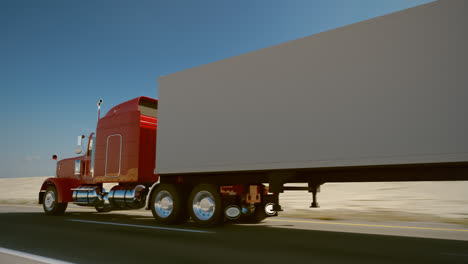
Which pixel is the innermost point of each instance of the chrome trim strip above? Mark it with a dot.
(83, 189)
(150, 192)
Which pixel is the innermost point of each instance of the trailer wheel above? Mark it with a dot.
(205, 205)
(50, 204)
(257, 216)
(167, 205)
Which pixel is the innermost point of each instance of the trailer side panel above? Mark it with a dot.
(390, 90)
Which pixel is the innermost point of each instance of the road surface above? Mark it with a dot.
(84, 236)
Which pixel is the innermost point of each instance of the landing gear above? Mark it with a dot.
(168, 205)
(205, 205)
(51, 205)
(314, 188)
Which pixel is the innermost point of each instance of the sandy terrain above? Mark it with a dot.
(399, 201)
(20, 190)
(396, 201)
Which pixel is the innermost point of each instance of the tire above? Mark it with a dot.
(101, 209)
(167, 205)
(257, 216)
(205, 205)
(50, 204)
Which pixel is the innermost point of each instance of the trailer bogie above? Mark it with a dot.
(208, 204)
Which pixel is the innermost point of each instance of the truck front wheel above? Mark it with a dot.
(167, 205)
(205, 205)
(50, 204)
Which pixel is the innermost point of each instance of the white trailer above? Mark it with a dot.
(387, 91)
(380, 100)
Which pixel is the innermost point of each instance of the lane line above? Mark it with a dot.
(277, 220)
(143, 226)
(32, 256)
(368, 225)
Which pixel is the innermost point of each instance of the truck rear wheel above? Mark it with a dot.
(205, 205)
(50, 204)
(167, 205)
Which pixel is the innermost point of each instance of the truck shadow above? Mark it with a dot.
(83, 234)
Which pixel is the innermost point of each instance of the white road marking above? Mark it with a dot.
(143, 226)
(32, 256)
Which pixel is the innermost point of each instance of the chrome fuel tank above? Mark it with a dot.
(85, 195)
(131, 198)
(118, 198)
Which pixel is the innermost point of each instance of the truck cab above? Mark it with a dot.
(121, 151)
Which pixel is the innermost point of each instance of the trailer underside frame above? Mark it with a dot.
(450, 171)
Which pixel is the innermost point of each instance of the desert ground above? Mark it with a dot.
(439, 202)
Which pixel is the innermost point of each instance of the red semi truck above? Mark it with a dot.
(380, 100)
(123, 151)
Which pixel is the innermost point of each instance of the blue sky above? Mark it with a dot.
(57, 58)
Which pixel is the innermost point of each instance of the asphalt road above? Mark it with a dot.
(83, 236)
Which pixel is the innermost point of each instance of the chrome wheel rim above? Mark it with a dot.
(232, 212)
(49, 200)
(163, 204)
(203, 205)
(269, 209)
